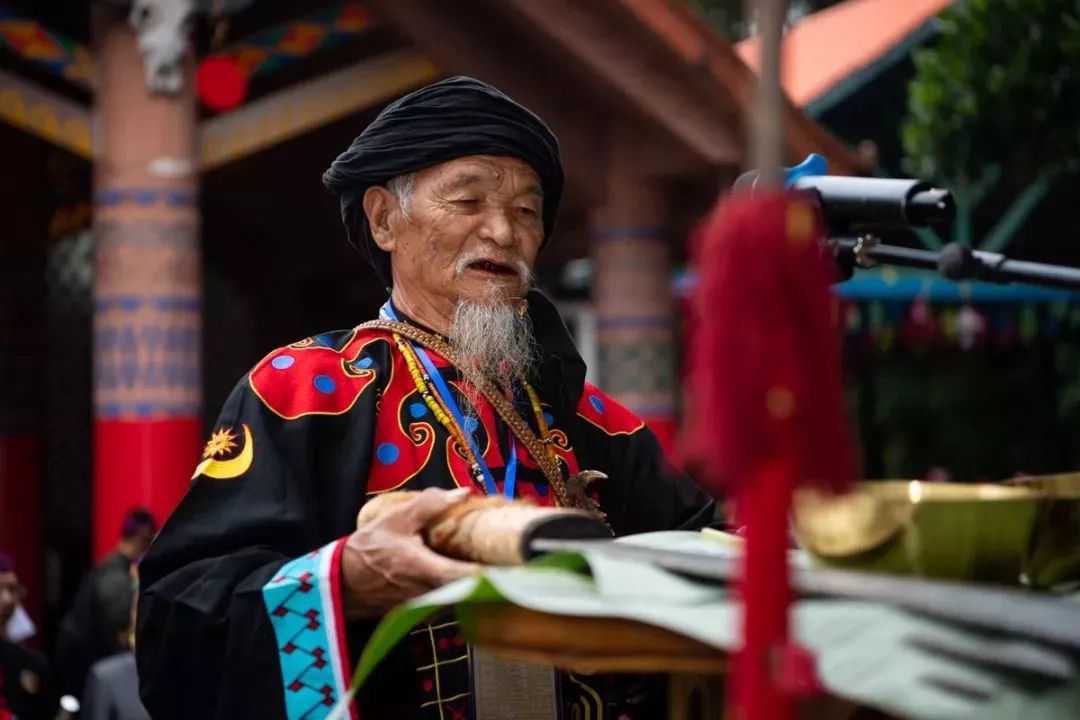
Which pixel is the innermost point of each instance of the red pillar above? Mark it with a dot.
(147, 313)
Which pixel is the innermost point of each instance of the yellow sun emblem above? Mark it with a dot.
(220, 443)
(223, 441)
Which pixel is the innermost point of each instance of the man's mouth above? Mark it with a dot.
(492, 268)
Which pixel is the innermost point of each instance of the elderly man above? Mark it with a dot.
(261, 590)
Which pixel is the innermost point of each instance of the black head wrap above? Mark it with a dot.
(447, 120)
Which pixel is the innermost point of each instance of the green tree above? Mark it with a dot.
(995, 107)
(996, 104)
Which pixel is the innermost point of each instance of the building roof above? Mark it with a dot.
(655, 60)
(828, 48)
(702, 49)
(655, 57)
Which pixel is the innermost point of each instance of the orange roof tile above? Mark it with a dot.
(830, 45)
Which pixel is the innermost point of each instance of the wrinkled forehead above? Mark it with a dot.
(489, 170)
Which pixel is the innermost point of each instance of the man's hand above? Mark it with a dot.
(385, 562)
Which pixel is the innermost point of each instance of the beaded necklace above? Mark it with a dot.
(425, 385)
(541, 422)
(431, 398)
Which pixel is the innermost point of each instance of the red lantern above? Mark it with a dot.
(220, 83)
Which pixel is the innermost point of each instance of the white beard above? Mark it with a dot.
(493, 341)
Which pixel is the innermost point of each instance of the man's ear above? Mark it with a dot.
(378, 203)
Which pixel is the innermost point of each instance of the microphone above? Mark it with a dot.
(856, 201)
(855, 208)
(853, 202)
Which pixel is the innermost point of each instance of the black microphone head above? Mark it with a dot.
(954, 262)
(930, 206)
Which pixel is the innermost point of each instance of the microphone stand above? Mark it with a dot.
(953, 262)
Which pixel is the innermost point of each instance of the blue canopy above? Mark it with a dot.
(905, 284)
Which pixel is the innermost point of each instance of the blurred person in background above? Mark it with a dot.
(27, 690)
(18, 627)
(98, 621)
(112, 687)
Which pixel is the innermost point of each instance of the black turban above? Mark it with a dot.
(447, 120)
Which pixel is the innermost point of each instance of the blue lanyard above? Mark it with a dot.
(510, 477)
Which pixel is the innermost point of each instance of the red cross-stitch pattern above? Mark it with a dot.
(442, 659)
(298, 620)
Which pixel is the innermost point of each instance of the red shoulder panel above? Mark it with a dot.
(312, 377)
(405, 438)
(606, 413)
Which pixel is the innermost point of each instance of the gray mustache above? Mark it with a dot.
(518, 264)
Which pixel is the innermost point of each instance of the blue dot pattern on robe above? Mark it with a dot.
(597, 403)
(364, 363)
(387, 453)
(324, 384)
(470, 425)
(549, 419)
(283, 362)
(417, 410)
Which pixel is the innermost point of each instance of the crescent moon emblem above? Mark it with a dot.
(232, 468)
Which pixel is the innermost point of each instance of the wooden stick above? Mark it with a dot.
(767, 118)
(490, 530)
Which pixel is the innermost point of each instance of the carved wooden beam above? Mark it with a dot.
(238, 134)
(46, 114)
(305, 107)
(662, 89)
(262, 53)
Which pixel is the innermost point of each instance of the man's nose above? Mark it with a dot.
(499, 228)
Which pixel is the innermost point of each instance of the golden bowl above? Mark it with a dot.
(1055, 553)
(982, 532)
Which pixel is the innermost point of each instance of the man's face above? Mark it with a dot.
(10, 594)
(472, 230)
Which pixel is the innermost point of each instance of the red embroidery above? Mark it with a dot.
(404, 432)
(308, 378)
(606, 413)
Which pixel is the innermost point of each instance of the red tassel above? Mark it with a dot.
(766, 361)
(768, 409)
(758, 691)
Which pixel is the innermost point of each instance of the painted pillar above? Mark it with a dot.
(147, 296)
(631, 291)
